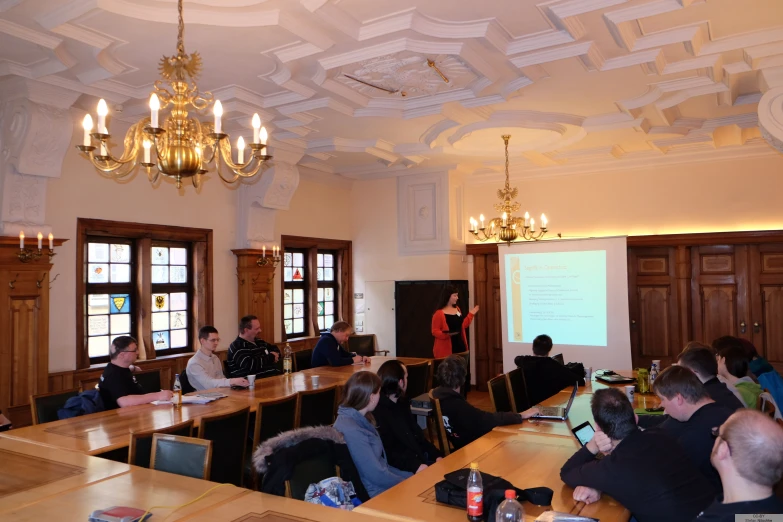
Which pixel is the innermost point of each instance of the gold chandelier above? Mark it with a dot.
(508, 228)
(183, 146)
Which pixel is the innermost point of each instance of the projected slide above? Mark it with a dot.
(562, 294)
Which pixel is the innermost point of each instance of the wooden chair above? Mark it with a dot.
(559, 358)
(308, 472)
(273, 417)
(766, 404)
(364, 344)
(44, 406)
(498, 394)
(316, 407)
(228, 433)
(303, 360)
(184, 381)
(181, 455)
(517, 390)
(140, 445)
(149, 380)
(440, 426)
(418, 379)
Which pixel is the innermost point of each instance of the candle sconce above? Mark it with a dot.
(268, 261)
(26, 255)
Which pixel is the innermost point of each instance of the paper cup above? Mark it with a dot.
(252, 380)
(629, 391)
(588, 374)
(316, 378)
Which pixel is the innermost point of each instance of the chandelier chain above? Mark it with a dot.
(508, 185)
(180, 30)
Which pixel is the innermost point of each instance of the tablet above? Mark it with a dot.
(584, 432)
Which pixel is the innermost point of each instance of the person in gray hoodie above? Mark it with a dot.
(355, 421)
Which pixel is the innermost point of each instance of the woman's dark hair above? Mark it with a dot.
(445, 295)
(452, 372)
(358, 390)
(391, 373)
(736, 362)
(613, 413)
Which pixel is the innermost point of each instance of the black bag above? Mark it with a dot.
(453, 491)
(578, 369)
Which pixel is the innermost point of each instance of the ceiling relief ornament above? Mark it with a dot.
(407, 74)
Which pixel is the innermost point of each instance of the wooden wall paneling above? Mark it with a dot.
(144, 306)
(483, 321)
(255, 289)
(311, 296)
(495, 330)
(203, 310)
(766, 296)
(682, 272)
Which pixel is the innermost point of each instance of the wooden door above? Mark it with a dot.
(495, 328)
(719, 288)
(655, 298)
(765, 329)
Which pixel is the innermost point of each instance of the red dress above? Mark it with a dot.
(442, 346)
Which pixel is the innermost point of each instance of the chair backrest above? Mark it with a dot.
(140, 446)
(273, 417)
(303, 360)
(316, 407)
(498, 393)
(766, 404)
(362, 344)
(228, 432)
(559, 358)
(181, 455)
(149, 380)
(418, 378)
(185, 382)
(517, 390)
(440, 426)
(309, 471)
(44, 406)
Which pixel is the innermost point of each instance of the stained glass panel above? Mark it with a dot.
(120, 253)
(160, 274)
(298, 296)
(120, 273)
(287, 274)
(319, 259)
(119, 303)
(178, 301)
(160, 340)
(329, 274)
(320, 309)
(120, 323)
(298, 311)
(298, 274)
(328, 321)
(328, 260)
(98, 346)
(287, 259)
(178, 256)
(97, 273)
(178, 320)
(288, 296)
(320, 274)
(160, 256)
(329, 294)
(98, 325)
(298, 259)
(179, 338)
(298, 325)
(289, 326)
(160, 321)
(178, 274)
(288, 311)
(320, 294)
(97, 304)
(320, 323)
(160, 302)
(98, 252)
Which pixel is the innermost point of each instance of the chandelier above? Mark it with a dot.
(508, 228)
(182, 147)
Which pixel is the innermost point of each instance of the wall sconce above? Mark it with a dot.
(26, 255)
(267, 261)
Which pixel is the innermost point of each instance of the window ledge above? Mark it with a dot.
(145, 361)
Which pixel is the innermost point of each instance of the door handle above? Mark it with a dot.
(743, 327)
(756, 327)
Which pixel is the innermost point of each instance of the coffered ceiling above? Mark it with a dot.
(377, 88)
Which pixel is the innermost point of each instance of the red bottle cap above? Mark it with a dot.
(510, 493)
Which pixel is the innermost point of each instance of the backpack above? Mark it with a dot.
(333, 492)
(772, 382)
(83, 404)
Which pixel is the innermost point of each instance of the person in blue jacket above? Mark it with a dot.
(355, 421)
(329, 352)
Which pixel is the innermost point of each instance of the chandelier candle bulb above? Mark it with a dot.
(527, 219)
(505, 218)
(218, 110)
(87, 125)
(240, 150)
(154, 108)
(103, 110)
(263, 251)
(51, 241)
(532, 225)
(40, 241)
(147, 144)
(481, 217)
(21, 240)
(543, 221)
(264, 135)
(256, 128)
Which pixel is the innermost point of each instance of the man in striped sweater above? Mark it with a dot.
(250, 356)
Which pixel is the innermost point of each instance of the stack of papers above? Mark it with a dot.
(192, 399)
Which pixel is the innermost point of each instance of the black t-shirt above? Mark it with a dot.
(117, 382)
(719, 512)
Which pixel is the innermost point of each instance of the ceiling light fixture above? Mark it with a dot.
(183, 146)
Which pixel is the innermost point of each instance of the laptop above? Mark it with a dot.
(557, 412)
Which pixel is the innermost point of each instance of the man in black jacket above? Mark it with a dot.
(544, 376)
(700, 359)
(464, 422)
(250, 356)
(328, 350)
(404, 442)
(646, 471)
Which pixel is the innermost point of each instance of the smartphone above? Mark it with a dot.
(584, 432)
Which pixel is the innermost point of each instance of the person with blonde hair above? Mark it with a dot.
(361, 394)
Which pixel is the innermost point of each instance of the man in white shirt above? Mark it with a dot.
(204, 369)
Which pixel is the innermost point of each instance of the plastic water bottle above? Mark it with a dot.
(177, 398)
(510, 510)
(475, 494)
(287, 359)
(653, 375)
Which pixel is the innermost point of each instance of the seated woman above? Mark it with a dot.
(464, 422)
(356, 423)
(405, 445)
(733, 370)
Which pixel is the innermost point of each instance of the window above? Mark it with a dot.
(315, 296)
(149, 281)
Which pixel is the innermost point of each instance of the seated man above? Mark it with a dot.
(748, 454)
(250, 356)
(204, 369)
(118, 386)
(693, 415)
(700, 359)
(733, 370)
(645, 471)
(328, 350)
(543, 375)
(464, 422)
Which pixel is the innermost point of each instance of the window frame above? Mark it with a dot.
(333, 284)
(343, 252)
(170, 288)
(142, 236)
(297, 285)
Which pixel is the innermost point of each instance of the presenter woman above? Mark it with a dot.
(448, 325)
